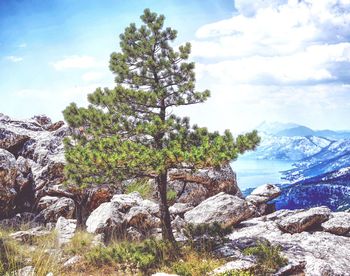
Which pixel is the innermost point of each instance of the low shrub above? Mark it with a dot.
(269, 258)
(145, 255)
(205, 237)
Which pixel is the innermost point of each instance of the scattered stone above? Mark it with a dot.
(26, 271)
(304, 220)
(73, 261)
(222, 208)
(65, 229)
(241, 265)
(29, 235)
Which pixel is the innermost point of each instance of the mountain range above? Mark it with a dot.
(321, 164)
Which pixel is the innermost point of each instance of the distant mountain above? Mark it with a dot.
(274, 147)
(333, 157)
(297, 131)
(321, 173)
(274, 127)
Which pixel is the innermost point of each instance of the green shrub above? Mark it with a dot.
(140, 185)
(268, 257)
(205, 237)
(81, 242)
(171, 195)
(146, 255)
(195, 264)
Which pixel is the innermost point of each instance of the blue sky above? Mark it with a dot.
(272, 60)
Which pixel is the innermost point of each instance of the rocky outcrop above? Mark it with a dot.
(33, 160)
(315, 252)
(222, 208)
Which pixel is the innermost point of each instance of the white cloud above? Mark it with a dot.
(92, 76)
(22, 45)
(14, 58)
(276, 60)
(75, 62)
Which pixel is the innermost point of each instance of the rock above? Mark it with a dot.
(30, 235)
(150, 206)
(239, 264)
(125, 201)
(47, 201)
(10, 140)
(133, 234)
(264, 193)
(321, 252)
(180, 208)
(26, 271)
(17, 221)
(178, 223)
(65, 229)
(292, 268)
(338, 224)
(304, 220)
(194, 187)
(222, 208)
(73, 261)
(8, 174)
(63, 207)
(140, 218)
(98, 240)
(105, 219)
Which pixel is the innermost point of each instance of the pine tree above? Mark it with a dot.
(130, 131)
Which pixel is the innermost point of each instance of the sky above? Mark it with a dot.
(277, 60)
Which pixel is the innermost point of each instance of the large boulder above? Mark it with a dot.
(338, 224)
(105, 219)
(222, 208)
(194, 187)
(304, 220)
(264, 193)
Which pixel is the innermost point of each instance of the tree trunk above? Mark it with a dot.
(80, 211)
(167, 232)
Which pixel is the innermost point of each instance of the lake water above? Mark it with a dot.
(253, 173)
